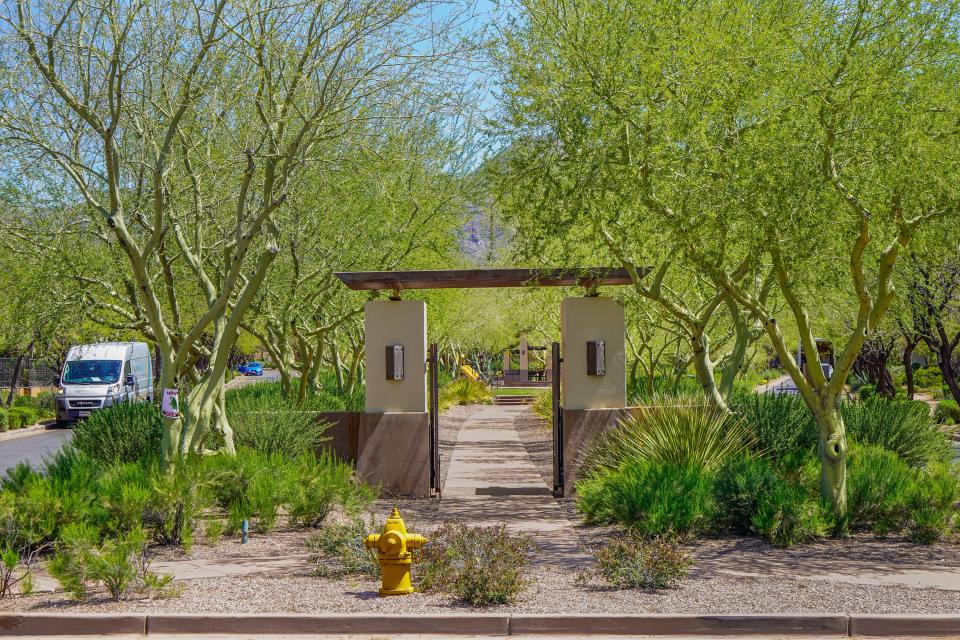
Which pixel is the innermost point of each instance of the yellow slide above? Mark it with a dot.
(468, 371)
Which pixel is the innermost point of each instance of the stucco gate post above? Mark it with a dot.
(591, 403)
(393, 447)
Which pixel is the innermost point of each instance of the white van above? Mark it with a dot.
(101, 375)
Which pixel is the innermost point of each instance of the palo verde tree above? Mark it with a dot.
(182, 127)
(777, 150)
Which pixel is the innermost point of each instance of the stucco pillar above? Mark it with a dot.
(590, 319)
(524, 359)
(591, 404)
(390, 323)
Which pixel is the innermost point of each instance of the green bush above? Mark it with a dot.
(781, 423)
(928, 378)
(651, 498)
(125, 432)
(686, 435)
(338, 549)
(123, 494)
(948, 412)
(664, 388)
(788, 515)
(739, 489)
(320, 483)
(633, 563)
(478, 565)
(119, 564)
(464, 391)
(543, 405)
(44, 403)
(879, 486)
(249, 486)
(867, 391)
(270, 424)
(932, 513)
(327, 398)
(902, 427)
(178, 497)
(4, 420)
(19, 417)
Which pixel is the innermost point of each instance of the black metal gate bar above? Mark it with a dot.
(557, 362)
(434, 380)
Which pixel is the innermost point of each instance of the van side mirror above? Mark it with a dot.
(130, 380)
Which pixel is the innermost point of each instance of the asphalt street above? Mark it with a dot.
(33, 448)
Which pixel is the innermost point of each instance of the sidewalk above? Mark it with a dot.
(492, 480)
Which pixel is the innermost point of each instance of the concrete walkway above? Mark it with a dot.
(492, 480)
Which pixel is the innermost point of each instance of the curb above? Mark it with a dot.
(26, 431)
(760, 625)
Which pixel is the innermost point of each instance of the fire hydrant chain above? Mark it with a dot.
(394, 552)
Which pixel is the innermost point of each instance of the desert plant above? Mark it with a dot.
(543, 405)
(338, 548)
(738, 490)
(15, 572)
(879, 485)
(177, 499)
(931, 509)
(781, 423)
(926, 378)
(24, 416)
(789, 514)
(318, 484)
(126, 432)
(634, 563)
(651, 498)
(120, 563)
(464, 391)
(904, 428)
(478, 565)
(4, 420)
(948, 412)
(268, 423)
(123, 493)
(248, 486)
(682, 435)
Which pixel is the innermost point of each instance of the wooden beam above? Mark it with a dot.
(484, 278)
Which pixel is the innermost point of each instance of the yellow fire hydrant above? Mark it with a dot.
(394, 546)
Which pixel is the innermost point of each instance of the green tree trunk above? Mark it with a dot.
(832, 451)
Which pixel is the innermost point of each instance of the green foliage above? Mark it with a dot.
(264, 420)
(879, 487)
(24, 416)
(44, 403)
(464, 391)
(269, 395)
(932, 513)
(664, 387)
(651, 498)
(478, 565)
(543, 405)
(318, 484)
(123, 494)
(930, 377)
(948, 412)
(781, 423)
(248, 486)
(120, 563)
(338, 548)
(688, 435)
(902, 427)
(4, 420)
(177, 499)
(788, 515)
(867, 391)
(126, 432)
(14, 572)
(633, 563)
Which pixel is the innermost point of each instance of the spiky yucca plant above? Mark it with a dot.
(682, 434)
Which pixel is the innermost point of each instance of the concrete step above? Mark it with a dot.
(513, 400)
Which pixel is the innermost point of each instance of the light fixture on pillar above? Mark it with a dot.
(595, 359)
(394, 362)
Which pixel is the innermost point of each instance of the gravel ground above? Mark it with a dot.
(551, 590)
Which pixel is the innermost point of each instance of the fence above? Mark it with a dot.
(33, 373)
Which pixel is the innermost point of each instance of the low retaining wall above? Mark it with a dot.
(779, 625)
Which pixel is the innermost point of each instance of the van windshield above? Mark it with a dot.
(91, 372)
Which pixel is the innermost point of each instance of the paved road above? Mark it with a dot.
(32, 448)
(269, 375)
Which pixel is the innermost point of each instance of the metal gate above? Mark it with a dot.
(433, 376)
(557, 423)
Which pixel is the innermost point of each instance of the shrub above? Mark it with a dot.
(24, 416)
(879, 485)
(125, 432)
(650, 498)
(43, 403)
(14, 572)
(123, 493)
(543, 405)
(478, 565)
(319, 483)
(339, 550)
(691, 435)
(664, 387)
(270, 424)
(4, 420)
(120, 563)
(788, 515)
(867, 391)
(948, 412)
(248, 486)
(177, 499)
(739, 488)
(902, 427)
(781, 423)
(927, 378)
(632, 563)
(932, 507)
(464, 391)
